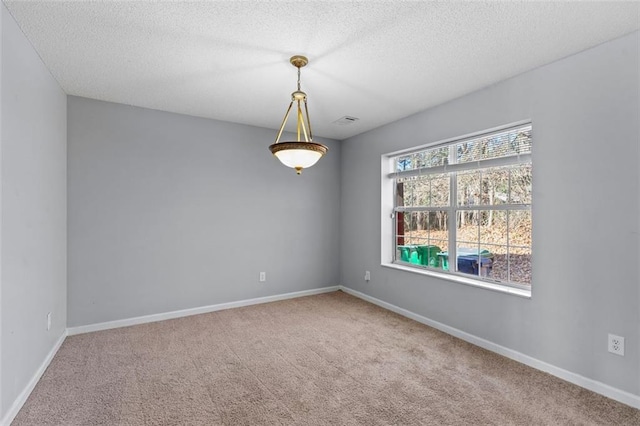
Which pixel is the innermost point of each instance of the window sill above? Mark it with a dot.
(462, 280)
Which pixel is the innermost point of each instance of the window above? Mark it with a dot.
(467, 199)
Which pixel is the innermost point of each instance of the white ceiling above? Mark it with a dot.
(378, 61)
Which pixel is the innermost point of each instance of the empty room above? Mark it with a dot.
(319, 213)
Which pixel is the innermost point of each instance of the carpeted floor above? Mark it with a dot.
(330, 359)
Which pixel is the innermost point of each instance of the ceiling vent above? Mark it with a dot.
(346, 120)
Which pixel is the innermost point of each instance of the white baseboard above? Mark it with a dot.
(592, 385)
(22, 398)
(194, 311)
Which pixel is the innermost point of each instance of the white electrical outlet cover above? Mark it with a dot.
(616, 344)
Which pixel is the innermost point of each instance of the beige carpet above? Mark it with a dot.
(330, 359)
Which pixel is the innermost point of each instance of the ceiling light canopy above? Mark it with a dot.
(299, 154)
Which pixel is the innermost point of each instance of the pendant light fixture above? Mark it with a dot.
(299, 154)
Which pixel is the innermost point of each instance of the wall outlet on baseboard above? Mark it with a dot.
(616, 344)
(263, 277)
(49, 321)
(367, 275)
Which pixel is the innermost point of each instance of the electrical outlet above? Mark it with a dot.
(49, 321)
(263, 277)
(616, 344)
(367, 275)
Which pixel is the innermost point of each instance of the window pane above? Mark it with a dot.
(404, 163)
(443, 245)
(495, 244)
(409, 223)
(520, 141)
(473, 255)
(475, 260)
(493, 227)
(421, 191)
(432, 157)
(423, 238)
(520, 265)
(471, 150)
(405, 190)
(407, 228)
(520, 228)
(494, 188)
(469, 188)
(399, 193)
(438, 230)
(467, 227)
(521, 178)
(500, 265)
(417, 227)
(440, 190)
(512, 142)
(399, 228)
(425, 191)
(410, 193)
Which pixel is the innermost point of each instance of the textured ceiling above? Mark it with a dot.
(377, 61)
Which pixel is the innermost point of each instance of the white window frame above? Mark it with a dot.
(388, 224)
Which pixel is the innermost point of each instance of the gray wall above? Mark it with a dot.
(585, 233)
(170, 212)
(33, 227)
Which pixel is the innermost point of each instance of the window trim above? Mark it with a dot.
(460, 279)
(389, 233)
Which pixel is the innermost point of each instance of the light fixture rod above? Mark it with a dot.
(301, 121)
(298, 119)
(306, 110)
(284, 121)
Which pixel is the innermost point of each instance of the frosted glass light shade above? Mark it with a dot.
(298, 155)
